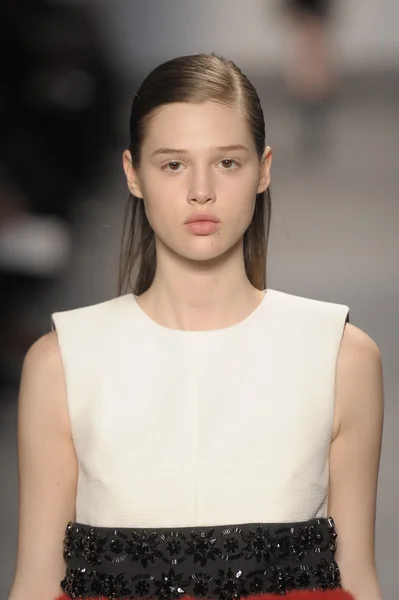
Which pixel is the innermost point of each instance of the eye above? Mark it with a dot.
(228, 164)
(172, 166)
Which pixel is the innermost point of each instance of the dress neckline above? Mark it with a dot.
(240, 325)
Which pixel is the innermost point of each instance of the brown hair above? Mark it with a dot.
(196, 79)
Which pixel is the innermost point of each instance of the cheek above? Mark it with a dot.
(242, 191)
(159, 212)
(161, 207)
(241, 208)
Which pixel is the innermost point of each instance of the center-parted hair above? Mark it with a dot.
(196, 78)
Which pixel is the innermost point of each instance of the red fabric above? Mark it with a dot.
(337, 594)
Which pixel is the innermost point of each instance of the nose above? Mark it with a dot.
(201, 189)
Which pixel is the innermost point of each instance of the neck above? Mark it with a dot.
(194, 295)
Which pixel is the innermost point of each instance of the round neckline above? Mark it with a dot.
(203, 332)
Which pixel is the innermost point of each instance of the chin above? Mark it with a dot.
(210, 251)
(207, 255)
(336, 594)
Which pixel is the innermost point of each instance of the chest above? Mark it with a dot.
(189, 431)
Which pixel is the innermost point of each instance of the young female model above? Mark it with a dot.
(201, 435)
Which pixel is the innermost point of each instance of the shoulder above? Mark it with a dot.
(85, 315)
(88, 335)
(43, 357)
(358, 351)
(310, 311)
(302, 301)
(359, 382)
(42, 370)
(42, 395)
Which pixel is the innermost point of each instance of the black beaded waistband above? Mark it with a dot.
(223, 562)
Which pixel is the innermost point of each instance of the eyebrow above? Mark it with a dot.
(231, 148)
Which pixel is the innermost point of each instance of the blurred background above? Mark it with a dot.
(327, 73)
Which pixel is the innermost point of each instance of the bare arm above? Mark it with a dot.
(47, 473)
(354, 461)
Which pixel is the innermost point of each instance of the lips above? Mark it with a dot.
(200, 218)
(202, 224)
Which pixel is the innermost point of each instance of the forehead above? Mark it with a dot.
(185, 125)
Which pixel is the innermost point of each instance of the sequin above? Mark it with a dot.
(302, 577)
(201, 587)
(327, 575)
(203, 546)
(75, 583)
(97, 585)
(230, 585)
(306, 539)
(174, 547)
(256, 585)
(170, 586)
(143, 547)
(231, 545)
(258, 544)
(110, 586)
(281, 580)
(116, 546)
(142, 588)
(283, 546)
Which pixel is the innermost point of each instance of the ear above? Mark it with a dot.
(131, 175)
(265, 165)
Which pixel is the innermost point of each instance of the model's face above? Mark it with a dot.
(198, 161)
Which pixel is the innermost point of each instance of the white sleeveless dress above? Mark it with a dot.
(177, 430)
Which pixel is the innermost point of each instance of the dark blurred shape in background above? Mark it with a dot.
(310, 76)
(57, 106)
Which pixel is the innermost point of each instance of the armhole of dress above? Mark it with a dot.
(67, 387)
(347, 318)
